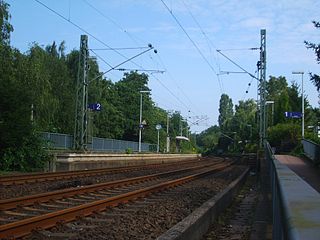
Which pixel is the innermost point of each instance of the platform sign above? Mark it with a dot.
(293, 114)
(95, 106)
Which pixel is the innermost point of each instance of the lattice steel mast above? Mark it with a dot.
(262, 86)
(81, 113)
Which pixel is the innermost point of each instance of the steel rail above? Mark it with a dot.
(24, 227)
(25, 178)
(12, 203)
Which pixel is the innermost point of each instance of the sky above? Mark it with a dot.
(186, 35)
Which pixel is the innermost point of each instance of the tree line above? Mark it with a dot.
(38, 94)
(238, 126)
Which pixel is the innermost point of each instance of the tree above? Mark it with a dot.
(128, 89)
(315, 78)
(209, 138)
(20, 146)
(225, 111)
(5, 26)
(244, 120)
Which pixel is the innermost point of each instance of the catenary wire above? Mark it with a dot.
(194, 44)
(129, 35)
(105, 44)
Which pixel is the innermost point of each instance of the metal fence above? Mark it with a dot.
(295, 204)
(65, 141)
(311, 150)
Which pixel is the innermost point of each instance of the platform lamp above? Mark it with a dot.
(140, 119)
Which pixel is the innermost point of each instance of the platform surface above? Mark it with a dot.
(303, 168)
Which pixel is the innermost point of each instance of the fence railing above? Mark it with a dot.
(65, 141)
(311, 150)
(296, 205)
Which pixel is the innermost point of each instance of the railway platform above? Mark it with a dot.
(303, 168)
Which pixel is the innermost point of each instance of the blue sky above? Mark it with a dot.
(190, 83)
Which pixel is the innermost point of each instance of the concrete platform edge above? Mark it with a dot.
(198, 222)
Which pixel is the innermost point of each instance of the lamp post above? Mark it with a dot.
(158, 127)
(302, 103)
(168, 138)
(272, 113)
(140, 119)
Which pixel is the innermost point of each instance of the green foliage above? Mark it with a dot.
(312, 136)
(128, 151)
(208, 139)
(5, 26)
(251, 148)
(315, 78)
(284, 137)
(29, 156)
(225, 112)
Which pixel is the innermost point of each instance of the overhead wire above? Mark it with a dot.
(109, 47)
(174, 80)
(123, 48)
(82, 29)
(209, 42)
(236, 64)
(193, 42)
(249, 85)
(102, 59)
(133, 39)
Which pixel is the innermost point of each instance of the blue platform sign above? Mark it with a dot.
(95, 106)
(293, 114)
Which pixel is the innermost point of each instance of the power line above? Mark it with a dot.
(144, 70)
(134, 40)
(194, 44)
(239, 49)
(250, 74)
(82, 29)
(119, 48)
(163, 85)
(202, 31)
(249, 85)
(113, 22)
(102, 59)
(109, 47)
(177, 85)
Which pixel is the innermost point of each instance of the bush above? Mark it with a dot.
(250, 148)
(285, 137)
(29, 156)
(128, 151)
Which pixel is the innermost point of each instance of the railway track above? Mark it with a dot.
(43, 211)
(53, 176)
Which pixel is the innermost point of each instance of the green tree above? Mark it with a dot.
(5, 27)
(244, 120)
(209, 138)
(20, 147)
(225, 112)
(315, 78)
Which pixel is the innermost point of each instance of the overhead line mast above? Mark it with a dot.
(80, 137)
(262, 86)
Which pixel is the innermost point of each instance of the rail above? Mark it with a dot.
(7, 204)
(55, 176)
(296, 205)
(311, 150)
(20, 228)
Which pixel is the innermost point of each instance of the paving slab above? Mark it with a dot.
(303, 168)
